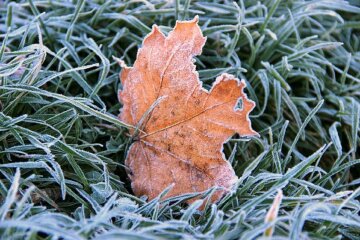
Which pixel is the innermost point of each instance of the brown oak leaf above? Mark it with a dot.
(182, 126)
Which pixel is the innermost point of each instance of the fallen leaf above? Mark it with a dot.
(182, 126)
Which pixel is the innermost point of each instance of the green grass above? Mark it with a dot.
(62, 148)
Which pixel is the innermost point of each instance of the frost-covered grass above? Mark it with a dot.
(62, 149)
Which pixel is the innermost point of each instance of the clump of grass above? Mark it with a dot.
(62, 148)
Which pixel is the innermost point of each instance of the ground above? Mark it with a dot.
(62, 149)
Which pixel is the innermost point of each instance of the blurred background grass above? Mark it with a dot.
(62, 148)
